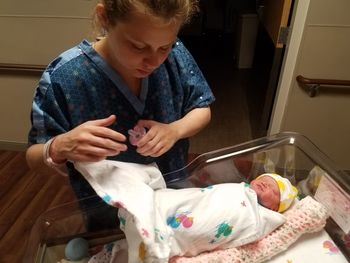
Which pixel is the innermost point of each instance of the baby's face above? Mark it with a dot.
(266, 189)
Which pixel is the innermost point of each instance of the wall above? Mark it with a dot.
(323, 54)
(33, 33)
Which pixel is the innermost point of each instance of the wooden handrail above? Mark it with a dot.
(313, 85)
(21, 68)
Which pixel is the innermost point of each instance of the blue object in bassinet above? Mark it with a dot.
(77, 249)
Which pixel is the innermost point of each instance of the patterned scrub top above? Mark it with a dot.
(79, 86)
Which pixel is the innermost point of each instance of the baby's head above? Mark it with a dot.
(274, 191)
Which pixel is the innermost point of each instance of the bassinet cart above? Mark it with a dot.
(288, 154)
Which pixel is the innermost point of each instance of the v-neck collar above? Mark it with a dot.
(138, 103)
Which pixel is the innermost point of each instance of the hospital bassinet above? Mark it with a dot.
(288, 154)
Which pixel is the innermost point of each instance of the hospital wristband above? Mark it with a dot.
(46, 154)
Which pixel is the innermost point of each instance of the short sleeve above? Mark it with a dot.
(47, 114)
(196, 89)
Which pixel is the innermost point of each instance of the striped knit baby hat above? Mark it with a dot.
(287, 191)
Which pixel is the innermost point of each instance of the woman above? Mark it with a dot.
(140, 75)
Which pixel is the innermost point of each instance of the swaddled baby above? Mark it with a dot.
(160, 223)
(224, 215)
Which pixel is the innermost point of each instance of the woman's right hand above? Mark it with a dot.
(91, 141)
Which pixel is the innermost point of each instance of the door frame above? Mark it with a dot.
(286, 79)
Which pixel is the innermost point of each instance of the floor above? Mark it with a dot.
(24, 196)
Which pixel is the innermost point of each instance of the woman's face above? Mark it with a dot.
(141, 44)
(267, 190)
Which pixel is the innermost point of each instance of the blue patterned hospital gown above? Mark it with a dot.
(79, 86)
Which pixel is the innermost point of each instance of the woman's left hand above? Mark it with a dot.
(159, 138)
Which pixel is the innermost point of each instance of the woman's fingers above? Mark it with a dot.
(107, 133)
(97, 152)
(103, 122)
(158, 152)
(158, 140)
(146, 148)
(93, 140)
(107, 143)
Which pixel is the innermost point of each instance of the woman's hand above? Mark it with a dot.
(89, 142)
(159, 138)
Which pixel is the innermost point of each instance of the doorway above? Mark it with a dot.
(215, 38)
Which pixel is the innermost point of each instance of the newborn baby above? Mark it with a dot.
(274, 191)
(224, 215)
(160, 223)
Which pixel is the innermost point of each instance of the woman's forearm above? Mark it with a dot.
(34, 156)
(192, 122)
(35, 159)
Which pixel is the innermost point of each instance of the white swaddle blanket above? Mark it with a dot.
(160, 223)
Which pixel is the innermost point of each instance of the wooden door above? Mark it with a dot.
(275, 18)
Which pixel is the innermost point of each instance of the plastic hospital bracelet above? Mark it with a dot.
(59, 167)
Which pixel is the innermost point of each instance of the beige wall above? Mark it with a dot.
(15, 103)
(33, 33)
(324, 54)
